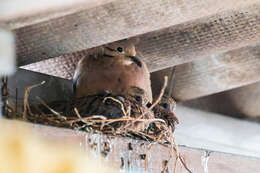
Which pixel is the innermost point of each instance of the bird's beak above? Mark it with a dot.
(136, 61)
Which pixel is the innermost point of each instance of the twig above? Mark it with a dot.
(26, 101)
(77, 112)
(109, 121)
(178, 155)
(50, 109)
(141, 133)
(184, 164)
(161, 93)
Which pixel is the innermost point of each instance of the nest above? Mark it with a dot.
(106, 113)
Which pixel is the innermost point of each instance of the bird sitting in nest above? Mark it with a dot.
(114, 69)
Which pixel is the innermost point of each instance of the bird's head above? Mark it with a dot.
(122, 50)
(139, 95)
(168, 103)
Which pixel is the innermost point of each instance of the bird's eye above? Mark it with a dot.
(138, 99)
(120, 49)
(165, 105)
(148, 104)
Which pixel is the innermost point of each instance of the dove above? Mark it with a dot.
(112, 68)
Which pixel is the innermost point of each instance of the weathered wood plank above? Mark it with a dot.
(199, 33)
(198, 160)
(11, 11)
(175, 45)
(197, 39)
(158, 154)
(7, 52)
(211, 131)
(7, 61)
(245, 100)
(53, 9)
(53, 89)
(213, 74)
(240, 102)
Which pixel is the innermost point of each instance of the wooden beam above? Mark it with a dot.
(211, 131)
(187, 31)
(198, 160)
(62, 66)
(213, 74)
(11, 11)
(129, 158)
(240, 102)
(7, 52)
(200, 38)
(174, 45)
(245, 100)
(7, 63)
(54, 88)
(19, 144)
(15, 15)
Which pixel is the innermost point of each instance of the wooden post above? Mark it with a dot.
(7, 64)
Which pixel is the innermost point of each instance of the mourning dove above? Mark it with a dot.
(139, 95)
(112, 68)
(165, 110)
(168, 103)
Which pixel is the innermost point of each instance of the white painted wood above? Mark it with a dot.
(212, 131)
(7, 52)
(10, 9)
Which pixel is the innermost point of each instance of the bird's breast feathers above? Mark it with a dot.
(126, 62)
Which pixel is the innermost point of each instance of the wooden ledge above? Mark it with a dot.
(128, 153)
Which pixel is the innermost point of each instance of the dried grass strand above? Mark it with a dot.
(52, 110)
(26, 96)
